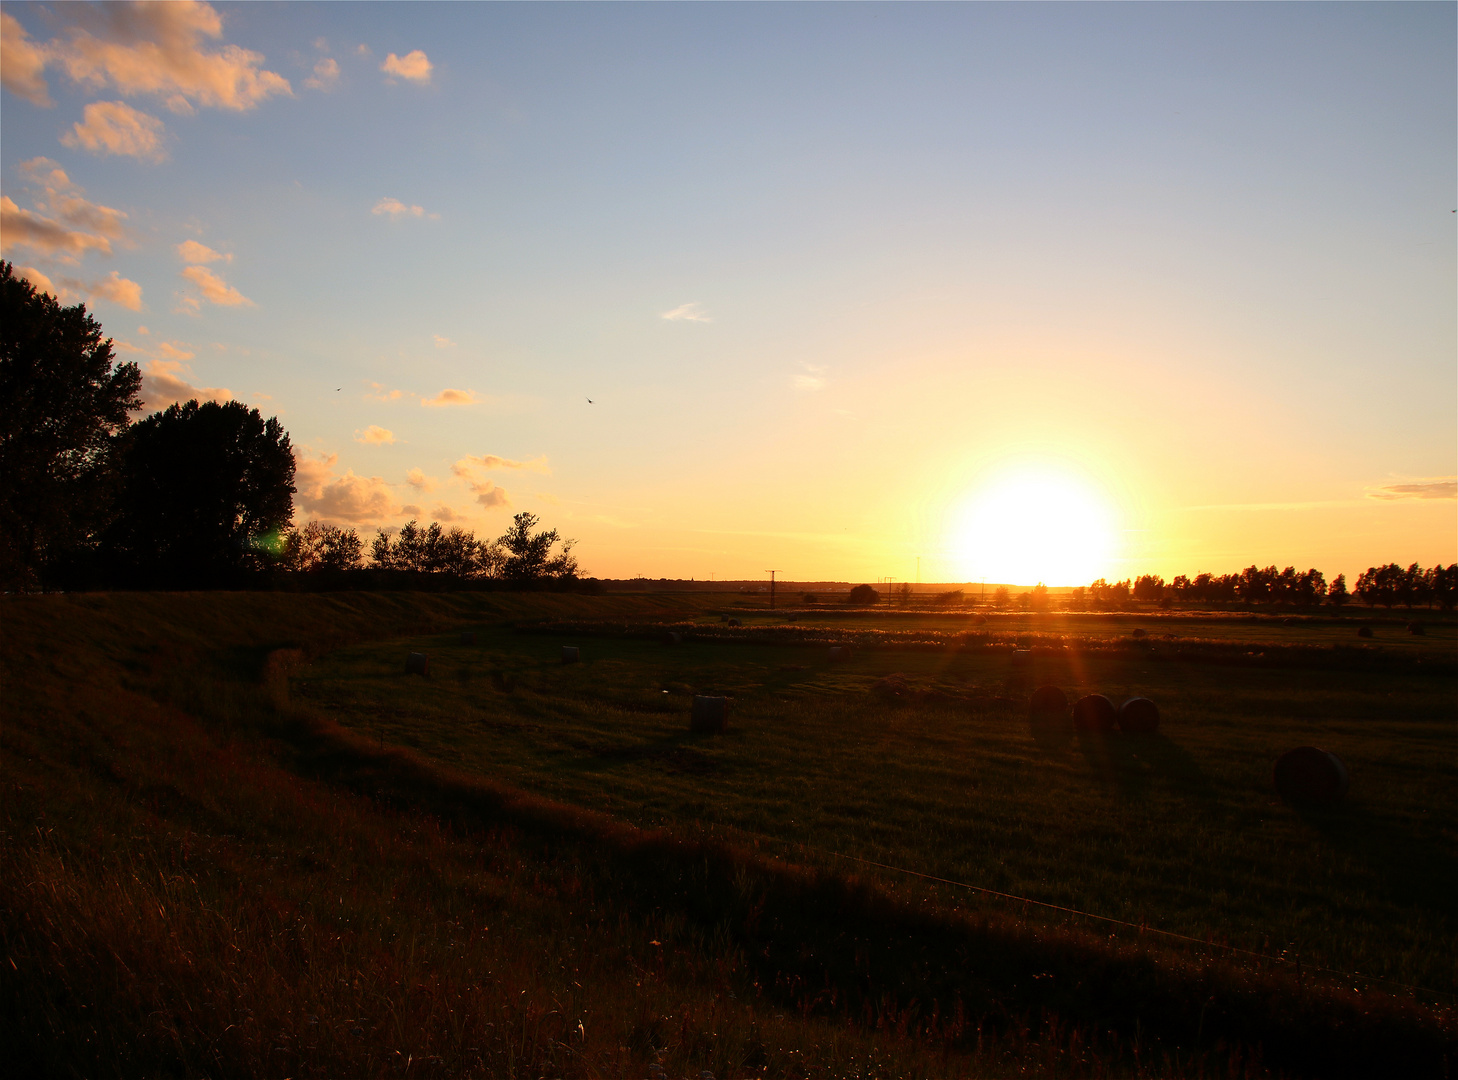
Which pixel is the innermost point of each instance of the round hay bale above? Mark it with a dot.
(1309, 774)
(1138, 632)
(571, 654)
(672, 637)
(468, 637)
(1094, 712)
(735, 622)
(417, 663)
(710, 715)
(1047, 702)
(1364, 631)
(1139, 715)
(1416, 628)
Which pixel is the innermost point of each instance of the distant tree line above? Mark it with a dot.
(1387, 586)
(196, 495)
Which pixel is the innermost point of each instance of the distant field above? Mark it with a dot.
(1179, 830)
(203, 873)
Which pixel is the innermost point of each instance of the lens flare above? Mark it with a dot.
(1034, 525)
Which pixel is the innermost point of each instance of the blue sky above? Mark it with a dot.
(827, 272)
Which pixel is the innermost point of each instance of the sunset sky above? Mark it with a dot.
(1027, 291)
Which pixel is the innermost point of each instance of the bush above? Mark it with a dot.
(863, 595)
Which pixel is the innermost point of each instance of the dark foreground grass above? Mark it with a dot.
(202, 876)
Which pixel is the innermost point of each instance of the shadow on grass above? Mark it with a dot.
(1137, 764)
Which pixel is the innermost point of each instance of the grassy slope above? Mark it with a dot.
(201, 876)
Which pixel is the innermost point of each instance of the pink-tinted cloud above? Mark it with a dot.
(451, 397)
(395, 210)
(114, 127)
(119, 290)
(416, 478)
(374, 435)
(348, 498)
(190, 251)
(24, 228)
(414, 66)
(69, 290)
(214, 289)
(1432, 489)
(326, 75)
(159, 50)
(492, 461)
(22, 62)
(163, 385)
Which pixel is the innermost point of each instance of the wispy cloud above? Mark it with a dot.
(451, 397)
(381, 394)
(326, 75)
(190, 251)
(214, 289)
(491, 462)
(811, 379)
(374, 435)
(114, 127)
(1429, 489)
(692, 312)
(395, 210)
(22, 62)
(414, 66)
(416, 478)
(443, 342)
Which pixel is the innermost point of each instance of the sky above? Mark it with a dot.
(1028, 292)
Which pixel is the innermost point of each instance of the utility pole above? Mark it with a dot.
(772, 574)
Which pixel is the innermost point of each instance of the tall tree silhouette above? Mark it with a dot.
(62, 400)
(208, 490)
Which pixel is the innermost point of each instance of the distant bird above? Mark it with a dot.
(589, 401)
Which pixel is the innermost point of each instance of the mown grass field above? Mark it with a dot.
(235, 839)
(1179, 830)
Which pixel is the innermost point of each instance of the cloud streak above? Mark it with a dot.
(691, 312)
(394, 209)
(451, 397)
(1432, 489)
(214, 289)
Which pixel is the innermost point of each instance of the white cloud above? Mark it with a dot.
(374, 435)
(190, 251)
(326, 75)
(157, 50)
(214, 289)
(414, 66)
(114, 127)
(692, 312)
(395, 209)
(22, 62)
(451, 397)
(442, 342)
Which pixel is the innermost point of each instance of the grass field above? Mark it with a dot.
(238, 840)
(1179, 830)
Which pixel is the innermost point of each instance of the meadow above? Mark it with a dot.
(239, 840)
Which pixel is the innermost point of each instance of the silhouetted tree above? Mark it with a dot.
(528, 555)
(1337, 594)
(208, 490)
(318, 547)
(1149, 587)
(62, 402)
(1445, 585)
(863, 594)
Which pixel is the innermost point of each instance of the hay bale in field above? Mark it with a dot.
(1139, 715)
(417, 663)
(571, 654)
(468, 637)
(1094, 712)
(1417, 628)
(710, 715)
(672, 637)
(1309, 774)
(1364, 631)
(1137, 632)
(735, 622)
(1048, 702)
(840, 653)
(890, 687)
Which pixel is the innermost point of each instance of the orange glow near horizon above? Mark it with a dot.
(1035, 524)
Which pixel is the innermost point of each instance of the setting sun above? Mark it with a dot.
(1035, 525)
